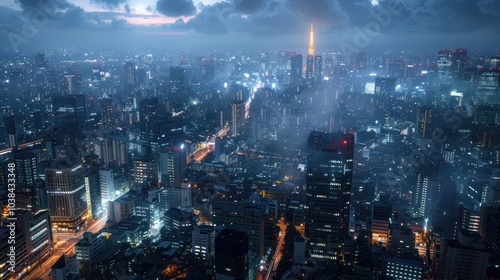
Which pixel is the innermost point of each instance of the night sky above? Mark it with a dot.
(252, 23)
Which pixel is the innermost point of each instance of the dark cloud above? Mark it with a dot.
(119, 24)
(422, 20)
(32, 5)
(490, 7)
(210, 20)
(176, 8)
(445, 16)
(320, 11)
(76, 18)
(248, 6)
(108, 4)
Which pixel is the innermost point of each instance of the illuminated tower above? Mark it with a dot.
(311, 41)
(310, 58)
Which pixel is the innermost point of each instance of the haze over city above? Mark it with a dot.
(249, 139)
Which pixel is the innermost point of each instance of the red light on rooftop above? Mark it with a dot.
(345, 141)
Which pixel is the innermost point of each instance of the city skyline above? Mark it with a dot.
(249, 139)
(398, 24)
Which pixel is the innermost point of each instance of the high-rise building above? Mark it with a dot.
(107, 186)
(179, 223)
(107, 111)
(246, 217)
(237, 118)
(296, 69)
(385, 86)
(310, 68)
(40, 196)
(171, 165)
(129, 74)
(318, 68)
(451, 63)
(490, 228)
(488, 87)
(93, 195)
(231, 255)
(424, 121)
(329, 178)
(145, 172)
(70, 112)
(202, 243)
(26, 168)
(121, 208)
(401, 240)
(37, 228)
(176, 197)
(89, 247)
(112, 152)
(66, 196)
(207, 71)
(285, 59)
(69, 84)
(178, 81)
(264, 61)
(468, 218)
(148, 109)
(9, 123)
(380, 224)
(219, 147)
(420, 195)
(463, 258)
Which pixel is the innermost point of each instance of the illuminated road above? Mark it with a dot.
(275, 260)
(63, 247)
(206, 147)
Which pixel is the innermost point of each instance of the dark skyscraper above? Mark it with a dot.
(171, 165)
(70, 111)
(385, 86)
(178, 81)
(107, 111)
(231, 255)
(93, 194)
(26, 168)
(329, 177)
(207, 71)
(423, 124)
(318, 68)
(310, 68)
(9, 123)
(296, 69)
(148, 110)
(488, 87)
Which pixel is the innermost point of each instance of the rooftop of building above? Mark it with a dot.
(232, 235)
